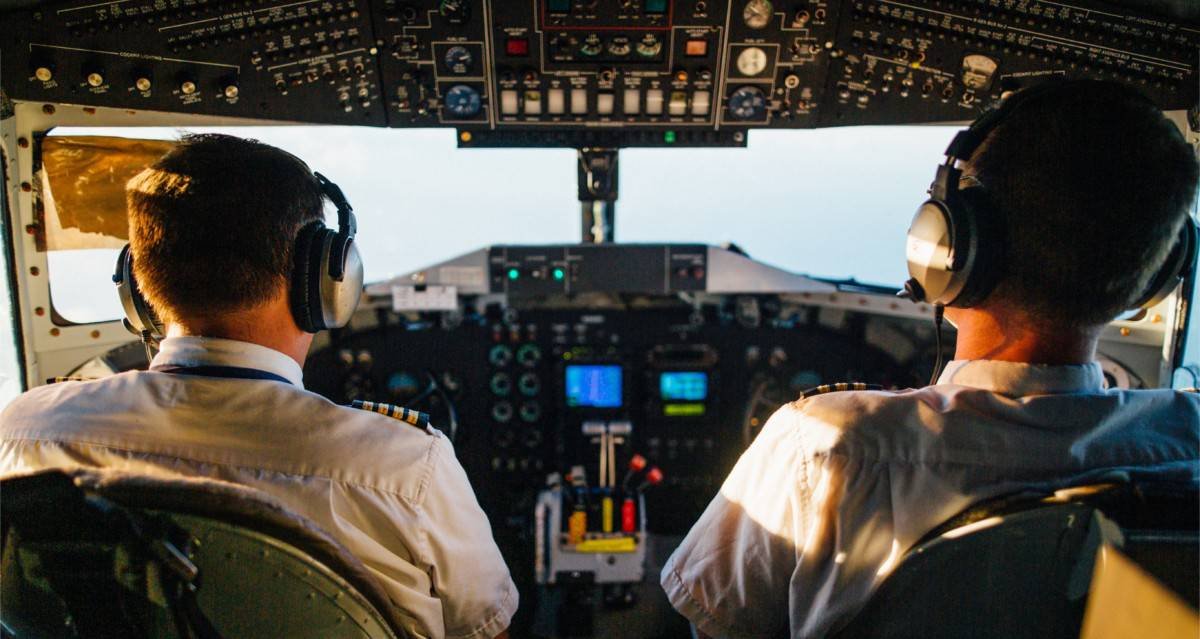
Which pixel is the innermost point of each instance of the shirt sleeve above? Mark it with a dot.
(467, 571)
(730, 576)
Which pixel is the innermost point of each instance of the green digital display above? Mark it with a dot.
(683, 410)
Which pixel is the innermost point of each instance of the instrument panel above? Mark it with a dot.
(584, 72)
(519, 387)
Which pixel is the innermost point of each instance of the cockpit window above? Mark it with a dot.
(824, 202)
(830, 202)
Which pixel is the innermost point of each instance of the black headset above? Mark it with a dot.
(956, 242)
(326, 283)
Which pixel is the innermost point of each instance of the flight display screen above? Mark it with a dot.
(683, 386)
(594, 386)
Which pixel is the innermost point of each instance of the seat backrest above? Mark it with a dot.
(100, 554)
(1160, 525)
(1022, 568)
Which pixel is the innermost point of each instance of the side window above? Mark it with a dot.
(428, 202)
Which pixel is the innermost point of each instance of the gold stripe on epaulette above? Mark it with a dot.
(59, 380)
(838, 388)
(406, 415)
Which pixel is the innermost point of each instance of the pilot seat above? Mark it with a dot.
(101, 553)
(1022, 565)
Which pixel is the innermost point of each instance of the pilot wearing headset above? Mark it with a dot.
(1052, 215)
(230, 261)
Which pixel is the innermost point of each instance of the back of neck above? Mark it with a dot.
(983, 335)
(270, 325)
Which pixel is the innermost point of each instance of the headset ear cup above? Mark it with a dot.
(306, 277)
(932, 251)
(342, 282)
(140, 318)
(984, 266)
(1179, 263)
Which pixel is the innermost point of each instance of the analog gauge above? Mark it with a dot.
(592, 45)
(757, 13)
(620, 46)
(458, 59)
(748, 103)
(649, 46)
(977, 72)
(463, 102)
(751, 61)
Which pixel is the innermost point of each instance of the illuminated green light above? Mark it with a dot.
(559, 274)
(513, 274)
(683, 410)
(669, 137)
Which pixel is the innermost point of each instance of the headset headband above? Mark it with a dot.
(347, 224)
(967, 142)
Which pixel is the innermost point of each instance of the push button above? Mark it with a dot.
(632, 102)
(517, 47)
(508, 102)
(654, 102)
(556, 101)
(579, 101)
(604, 103)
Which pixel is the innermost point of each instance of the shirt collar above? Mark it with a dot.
(214, 351)
(1016, 379)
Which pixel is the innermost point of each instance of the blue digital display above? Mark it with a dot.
(683, 386)
(593, 386)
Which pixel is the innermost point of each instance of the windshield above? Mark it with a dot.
(830, 202)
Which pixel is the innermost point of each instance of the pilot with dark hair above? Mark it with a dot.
(214, 228)
(1088, 186)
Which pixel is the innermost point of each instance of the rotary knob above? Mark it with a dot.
(43, 70)
(187, 85)
(94, 75)
(455, 11)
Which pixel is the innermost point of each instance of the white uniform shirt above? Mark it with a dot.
(393, 494)
(837, 487)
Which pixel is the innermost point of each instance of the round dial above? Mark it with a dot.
(463, 101)
(649, 46)
(757, 13)
(592, 45)
(458, 59)
(751, 61)
(748, 103)
(455, 11)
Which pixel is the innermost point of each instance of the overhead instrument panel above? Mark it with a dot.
(306, 60)
(914, 61)
(605, 72)
(587, 73)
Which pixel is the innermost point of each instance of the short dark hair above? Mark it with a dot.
(212, 224)
(1095, 184)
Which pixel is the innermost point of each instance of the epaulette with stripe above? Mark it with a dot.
(839, 387)
(61, 379)
(406, 415)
